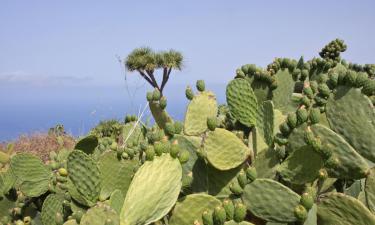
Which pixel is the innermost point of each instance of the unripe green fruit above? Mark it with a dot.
(300, 213)
(369, 87)
(285, 129)
(156, 95)
(163, 102)
(150, 153)
(235, 188)
(333, 79)
(314, 115)
(320, 101)
(59, 220)
(314, 86)
(296, 74)
(342, 77)
(114, 146)
(200, 85)
(54, 165)
(273, 85)
(158, 147)
(302, 115)
(175, 149)
(184, 156)
(189, 93)
(239, 212)
(78, 216)
(125, 155)
(143, 145)
(131, 152)
(361, 79)
(292, 120)
(304, 74)
(211, 123)
(207, 218)
(280, 139)
(242, 179)
(169, 129)
(109, 222)
(309, 136)
(324, 90)
(219, 215)
(281, 152)
(149, 96)
(178, 126)
(307, 200)
(308, 92)
(240, 73)
(316, 145)
(251, 174)
(351, 77)
(127, 118)
(19, 222)
(305, 101)
(63, 172)
(229, 208)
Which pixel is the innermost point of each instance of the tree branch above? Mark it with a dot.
(151, 75)
(146, 77)
(167, 71)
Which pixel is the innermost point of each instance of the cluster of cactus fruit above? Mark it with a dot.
(293, 145)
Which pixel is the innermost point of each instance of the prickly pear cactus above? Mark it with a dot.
(153, 191)
(100, 215)
(51, 206)
(85, 175)
(202, 106)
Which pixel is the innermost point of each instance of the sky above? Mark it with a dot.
(59, 60)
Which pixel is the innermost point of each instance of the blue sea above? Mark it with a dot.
(26, 110)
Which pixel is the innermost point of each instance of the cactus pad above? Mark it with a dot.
(271, 200)
(350, 113)
(115, 173)
(302, 166)
(370, 190)
(85, 175)
(224, 150)
(116, 200)
(99, 215)
(337, 208)
(266, 163)
(51, 206)
(283, 94)
(242, 101)
(153, 191)
(191, 207)
(132, 133)
(87, 144)
(265, 122)
(352, 165)
(202, 106)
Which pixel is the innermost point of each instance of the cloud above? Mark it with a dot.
(27, 79)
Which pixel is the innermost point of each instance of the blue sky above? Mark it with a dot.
(65, 51)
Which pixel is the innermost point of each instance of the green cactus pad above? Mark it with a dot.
(98, 215)
(7, 180)
(31, 174)
(283, 94)
(224, 150)
(71, 222)
(266, 163)
(235, 223)
(78, 197)
(312, 218)
(85, 175)
(271, 200)
(265, 122)
(51, 206)
(191, 207)
(202, 106)
(370, 190)
(153, 191)
(116, 200)
(352, 165)
(27, 167)
(242, 101)
(132, 133)
(161, 116)
(87, 144)
(115, 173)
(337, 208)
(302, 166)
(351, 113)
(5, 205)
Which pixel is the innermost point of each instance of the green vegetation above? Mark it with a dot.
(294, 145)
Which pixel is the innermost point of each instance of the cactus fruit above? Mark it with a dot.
(300, 213)
(163, 102)
(219, 215)
(211, 123)
(207, 218)
(189, 93)
(200, 85)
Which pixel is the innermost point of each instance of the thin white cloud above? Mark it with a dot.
(22, 78)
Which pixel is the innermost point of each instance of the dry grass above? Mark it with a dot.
(40, 144)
